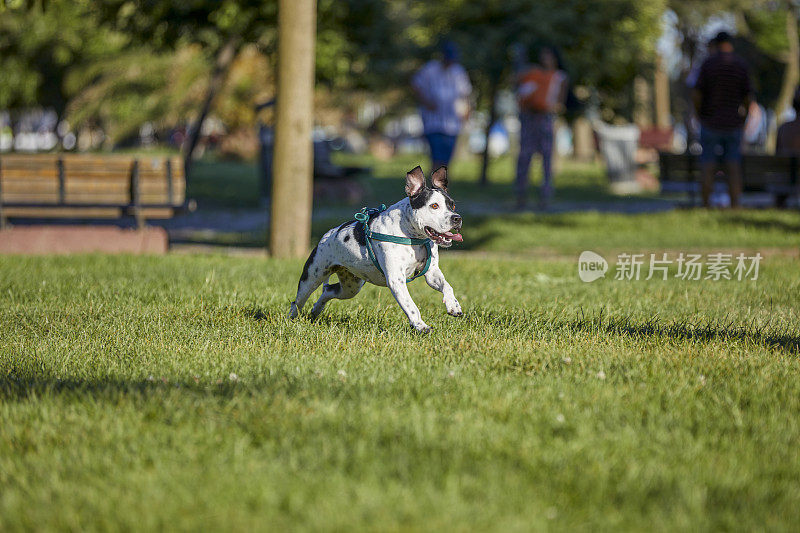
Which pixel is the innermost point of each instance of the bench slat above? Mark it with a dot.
(22, 187)
(90, 181)
(63, 212)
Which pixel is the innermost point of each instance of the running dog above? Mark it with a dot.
(387, 247)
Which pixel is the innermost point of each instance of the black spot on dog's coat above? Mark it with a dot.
(346, 238)
(335, 288)
(304, 275)
(358, 233)
(420, 199)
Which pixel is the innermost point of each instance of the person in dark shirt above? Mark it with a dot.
(721, 98)
(789, 133)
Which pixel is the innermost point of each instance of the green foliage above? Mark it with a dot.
(41, 42)
(210, 23)
(137, 85)
(122, 62)
(767, 27)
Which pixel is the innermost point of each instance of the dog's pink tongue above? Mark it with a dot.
(454, 236)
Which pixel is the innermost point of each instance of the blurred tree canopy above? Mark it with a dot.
(41, 43)
(605, 43)
(120, 63)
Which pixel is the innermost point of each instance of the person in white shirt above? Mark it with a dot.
(442, 88)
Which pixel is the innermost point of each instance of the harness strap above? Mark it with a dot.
(365, 216)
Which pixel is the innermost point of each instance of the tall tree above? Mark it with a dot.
(292, 189)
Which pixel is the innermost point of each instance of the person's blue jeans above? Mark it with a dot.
(442, 146)
(724, 145)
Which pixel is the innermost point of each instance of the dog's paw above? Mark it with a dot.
(422, 328)
(453, 308)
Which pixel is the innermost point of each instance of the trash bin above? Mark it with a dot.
(618, 146)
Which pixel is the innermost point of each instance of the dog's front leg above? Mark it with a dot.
(397, 284)
(435, 278)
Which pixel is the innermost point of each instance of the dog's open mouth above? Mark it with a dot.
(443, 239)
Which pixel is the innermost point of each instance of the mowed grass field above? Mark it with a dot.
(169, 393)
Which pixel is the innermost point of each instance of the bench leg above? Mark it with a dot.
(140, 219)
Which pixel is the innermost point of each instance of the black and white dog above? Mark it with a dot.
(426, 213)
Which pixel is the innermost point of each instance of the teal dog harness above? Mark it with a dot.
(365, 216)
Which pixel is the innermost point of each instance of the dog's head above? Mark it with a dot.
(433, 211)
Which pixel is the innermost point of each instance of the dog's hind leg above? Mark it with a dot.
(312, 277)
(347, 287)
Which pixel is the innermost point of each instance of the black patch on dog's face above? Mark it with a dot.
(346, 238)
(421, 200)
(304, 275)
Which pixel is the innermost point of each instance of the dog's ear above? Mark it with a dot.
(439, 178)
(415, 182)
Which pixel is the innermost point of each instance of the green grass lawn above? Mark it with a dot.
(678, 230)
(170, 393)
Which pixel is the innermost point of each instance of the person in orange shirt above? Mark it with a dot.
(541, 92)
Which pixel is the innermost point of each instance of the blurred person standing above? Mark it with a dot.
(789, 133)
(442, 88)
(722, 96)
(541, 93)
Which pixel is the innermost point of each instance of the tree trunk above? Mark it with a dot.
(792, 73)
(642, 103)
(492, 117)
(224, 59)
(661, 94)
(293, 165)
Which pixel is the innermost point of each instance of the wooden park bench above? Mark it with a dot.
(90, 186)
(775, 175)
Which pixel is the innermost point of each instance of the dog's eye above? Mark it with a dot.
(434, 206)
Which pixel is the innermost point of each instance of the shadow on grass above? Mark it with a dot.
(376, 321)
(707, 332)
(23, 385)
(758, 221)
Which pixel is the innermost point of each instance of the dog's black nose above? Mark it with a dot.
(456, 220)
